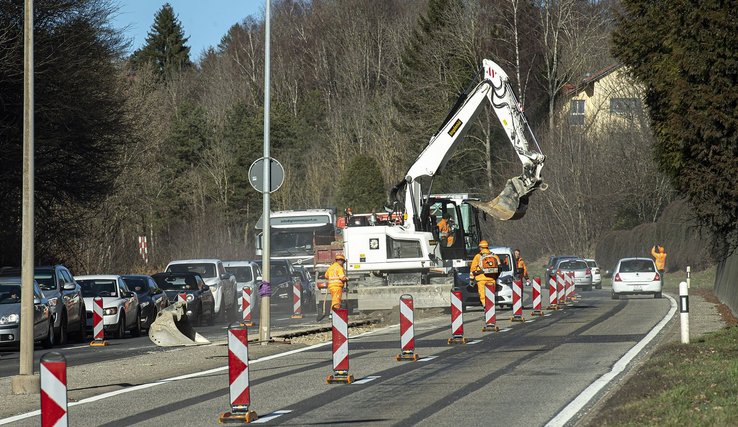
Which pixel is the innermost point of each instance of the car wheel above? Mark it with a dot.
(81, 335)
(657, 295)
(61, 332)
(598, 287)
(615, 296)
(120, 330)
(136, 331)
(50, 338)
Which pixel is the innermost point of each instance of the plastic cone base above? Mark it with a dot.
(339, 379)
(457, 340)
(97, 343)
(238, 418)
(407, 357)
(491, 328)
(517, 319)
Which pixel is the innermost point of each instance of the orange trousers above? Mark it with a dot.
(336, 295)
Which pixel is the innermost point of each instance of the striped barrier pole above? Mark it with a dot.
(53, 370)
(182, 298)
(561, 285)
(407, 329)
(98, 327)
(340, 348)
(537, 297)
(490, 316)
(297, 300)
(569, 288)
(239, 391)
(684, 311)
(457, 319)
(552, 294)
(246, 307)
(517, 295)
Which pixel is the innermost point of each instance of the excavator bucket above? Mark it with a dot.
(172, 328)
(509, 205)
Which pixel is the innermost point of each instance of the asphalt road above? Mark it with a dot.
(81, 353)
(523, 375)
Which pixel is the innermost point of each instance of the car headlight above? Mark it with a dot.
(9, 319)
(110, 311)
(190, 297)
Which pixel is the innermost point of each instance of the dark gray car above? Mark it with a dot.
(65, 299)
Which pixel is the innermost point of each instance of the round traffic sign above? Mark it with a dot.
(256, 175)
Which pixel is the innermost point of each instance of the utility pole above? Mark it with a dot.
(26, 382)
(264, 314)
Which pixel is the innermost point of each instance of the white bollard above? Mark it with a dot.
(684, 311)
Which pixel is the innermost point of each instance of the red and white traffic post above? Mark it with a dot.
(246, 307)
(569, 280)
(407, 329)
(239, 391)
(553, 299)
(537, 311)
(517, 296)
(98, 327)
(53, 370)
(561, 286)
(143, 248)
(182, 298)
(457, 319)
(490, 316)
(297, 300)
(340, 348)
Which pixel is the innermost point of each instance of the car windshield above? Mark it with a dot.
(243, 274)
(176, 283)
(637, 266)
(205, 270)
(45, 280)
(138, 285)
(99, 288)
(573, 265)
(278, 270)
(10, 294)
(591, 264)
(504, 262)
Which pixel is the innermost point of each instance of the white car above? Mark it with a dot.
(507, 275)
(248, 274)
(121, 311)
(596, 273)
(636, 276)
(222, 283)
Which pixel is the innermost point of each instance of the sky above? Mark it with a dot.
(205, 22)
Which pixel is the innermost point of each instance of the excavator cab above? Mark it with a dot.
(454, 223)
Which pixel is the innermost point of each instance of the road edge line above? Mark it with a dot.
(576, 405)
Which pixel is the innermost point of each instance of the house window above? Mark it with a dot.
(576, 115)
(625, 106)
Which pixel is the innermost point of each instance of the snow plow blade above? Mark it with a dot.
(172, 328)
(511, 204)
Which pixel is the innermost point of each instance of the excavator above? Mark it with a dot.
(420, 248)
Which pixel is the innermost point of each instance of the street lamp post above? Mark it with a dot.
(264, 315)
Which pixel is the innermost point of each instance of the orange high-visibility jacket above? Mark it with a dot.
(521, 266)
(475, 265)
(336, 275)
(659, 257)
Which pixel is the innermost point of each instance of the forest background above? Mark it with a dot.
(159, 143)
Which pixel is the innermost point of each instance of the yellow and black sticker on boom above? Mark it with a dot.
(455, 127)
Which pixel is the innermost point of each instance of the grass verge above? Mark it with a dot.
(685, 385)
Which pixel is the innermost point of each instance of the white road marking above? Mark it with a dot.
(585, 396)
(268, 417)
(366, 379)
(506, 329)
(530, 321)
(283, 318)
(474, 342)
(76, 346)
(547, 314)
(427, 358)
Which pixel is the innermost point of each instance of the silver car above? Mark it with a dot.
(10, 307)
(121, 311)
(582, 272)
(248, 275)
(596, 273)
(222, 283)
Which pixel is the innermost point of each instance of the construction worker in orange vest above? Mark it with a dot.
(659, 258)
(484, 269)
(337, 279)
(520, 268)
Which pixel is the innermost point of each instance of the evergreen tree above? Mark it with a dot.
(687, 60)
(165, 49)
(361, 187)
